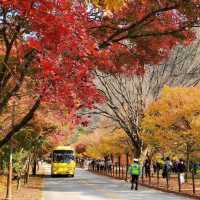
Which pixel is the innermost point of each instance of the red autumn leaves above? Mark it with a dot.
(69, 47)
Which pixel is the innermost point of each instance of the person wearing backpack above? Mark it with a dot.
(167, 168)
(134, 171)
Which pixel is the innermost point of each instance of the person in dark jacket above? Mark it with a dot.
(167, 168)
(154, 168)
(147, 167)
(181, 168)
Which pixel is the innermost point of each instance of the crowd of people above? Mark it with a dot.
(167, 165)
(98, 165)
(101, 165)
(170, 166)
(167, 168)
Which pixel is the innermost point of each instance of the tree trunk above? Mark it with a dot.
(137, 143)
(188, 151)
(137, 153)
(111, 156)
(119, 161)
(18, 181)
(34, 168)
(9, 178)
(144, 154)
(188, 157)
(137, 148)
(127, 165)
(26, 177)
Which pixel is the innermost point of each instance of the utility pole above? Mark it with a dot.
(10, 167)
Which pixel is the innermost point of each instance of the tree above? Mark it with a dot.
(28, 146)
(144, 32)
(60, 57)
(127, 97)
(52, 56)
(174, 120)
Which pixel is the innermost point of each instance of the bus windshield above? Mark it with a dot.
(63, 156)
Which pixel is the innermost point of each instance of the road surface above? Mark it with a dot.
(87, 186)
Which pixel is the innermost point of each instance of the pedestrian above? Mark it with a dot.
(181, 170)
(134, 171)
(101, 163)
(175, 166)
(194, 168)
(93, 165)
(109, 163)
(167, 168)
(87, 163)
(158, 167)
(154, 168)
(147, 167)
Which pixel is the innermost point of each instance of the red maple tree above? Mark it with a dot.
(144, 32)
(60, 42)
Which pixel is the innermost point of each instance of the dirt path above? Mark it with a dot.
(30, 191)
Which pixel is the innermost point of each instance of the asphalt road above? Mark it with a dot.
(87, 186)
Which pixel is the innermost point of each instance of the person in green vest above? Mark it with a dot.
(134, 171)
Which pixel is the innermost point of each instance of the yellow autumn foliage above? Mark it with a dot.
(173, 120)
(175, 107)
(103, 143)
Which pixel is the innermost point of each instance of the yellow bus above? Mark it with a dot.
(63, 161)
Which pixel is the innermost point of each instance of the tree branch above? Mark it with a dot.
(22, 123)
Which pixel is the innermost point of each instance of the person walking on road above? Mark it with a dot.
(134, 171)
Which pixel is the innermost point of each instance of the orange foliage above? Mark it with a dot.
(103, 142)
